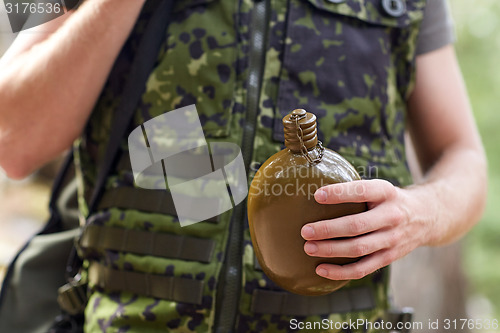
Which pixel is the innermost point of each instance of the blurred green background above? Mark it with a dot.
(478, 48)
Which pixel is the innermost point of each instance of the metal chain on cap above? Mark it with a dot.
(303, 148)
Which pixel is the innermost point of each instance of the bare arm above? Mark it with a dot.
(443, 207)
(448, 146)
(48, 88)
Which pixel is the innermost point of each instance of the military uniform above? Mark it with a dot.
(349, 62)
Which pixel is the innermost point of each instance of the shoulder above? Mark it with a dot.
(437, 28)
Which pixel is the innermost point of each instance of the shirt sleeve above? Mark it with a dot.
(437, 29)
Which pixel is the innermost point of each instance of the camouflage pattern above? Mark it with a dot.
(350, 64)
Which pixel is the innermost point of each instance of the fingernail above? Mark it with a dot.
(311, 248)
(322, 272)
(307, 232)
(320, 195)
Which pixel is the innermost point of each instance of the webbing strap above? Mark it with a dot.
(190, 164)
(165, 287)
(340, 301)
(147, 243)
(151, 201)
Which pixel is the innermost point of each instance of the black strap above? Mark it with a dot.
(151, 201)
(140, 70)
(65, 173)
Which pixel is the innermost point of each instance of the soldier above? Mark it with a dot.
(367, 69)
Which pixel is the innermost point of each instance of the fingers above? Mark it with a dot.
(353, 247)
(353, 225)
(359, 269)
(375, 190)
(376, 236)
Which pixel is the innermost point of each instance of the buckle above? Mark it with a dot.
(72, 297)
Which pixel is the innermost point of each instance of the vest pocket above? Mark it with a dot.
(392, 13)
(352, 64)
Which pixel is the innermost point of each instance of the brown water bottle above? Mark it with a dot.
(281, 201)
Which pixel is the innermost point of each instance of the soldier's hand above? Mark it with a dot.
(397, 221)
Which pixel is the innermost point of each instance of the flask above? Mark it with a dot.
(281, 201)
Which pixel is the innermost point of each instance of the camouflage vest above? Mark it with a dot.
(351, 62)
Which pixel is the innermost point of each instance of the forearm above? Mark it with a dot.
(48, 91)
(451, 197)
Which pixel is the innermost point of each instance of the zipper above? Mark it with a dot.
(232, 270)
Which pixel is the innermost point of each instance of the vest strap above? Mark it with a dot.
(263, 301)
(147, 243)
(165, 287)
(340, 301)
(151, 201)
